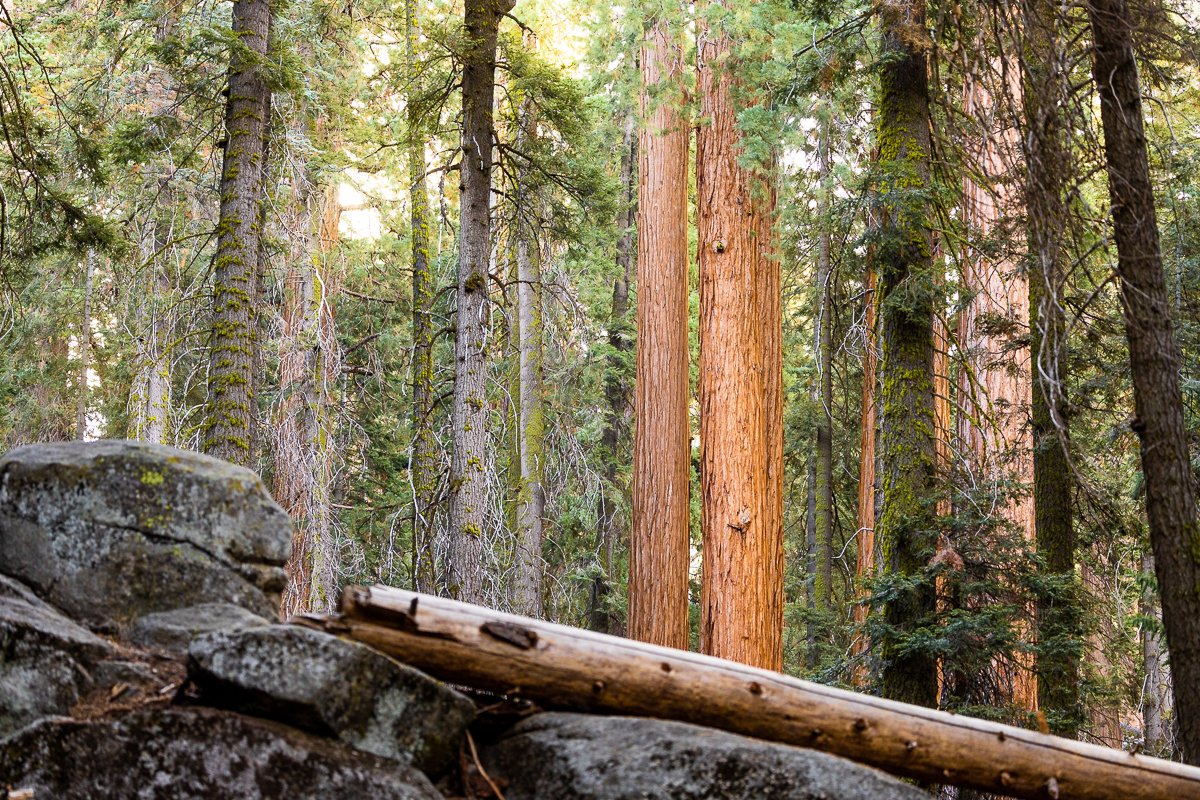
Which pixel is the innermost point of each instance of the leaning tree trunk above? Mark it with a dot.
(658, 539)
(1046, 168)
(1154, 358)
(424, 458)
(742, 591)
(903, 262)
(465, 577)
(228, 427)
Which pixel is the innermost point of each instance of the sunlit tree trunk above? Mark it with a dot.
(424, 458)
(742, 591)
(658, 540)
(1154, 358)
(903, 261)
(464, 562)
(531, 423)
(228, 428)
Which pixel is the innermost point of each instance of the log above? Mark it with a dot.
(562, 667)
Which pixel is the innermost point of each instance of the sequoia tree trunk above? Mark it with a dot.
(658, 539)
(742, 591)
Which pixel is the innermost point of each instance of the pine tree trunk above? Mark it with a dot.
(616, 394)
(1154, 358)
(658, 539)
(741, 596)
(903, 262)
(531, 424)
(465, 574)
(424, 456)
(229, 413)
(150, 391)
(824, 322)
(1046, 169)
(304, 440)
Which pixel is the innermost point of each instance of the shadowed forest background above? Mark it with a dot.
(901, 300)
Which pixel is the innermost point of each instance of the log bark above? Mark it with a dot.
(567, 667)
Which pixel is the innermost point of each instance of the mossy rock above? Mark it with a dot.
(109, 531)
(332, 687)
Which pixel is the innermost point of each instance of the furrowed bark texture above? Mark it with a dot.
(424, 457)
(903, 262)
(658, 539)
(465, 576)
(228, 429)
(558, 666)
(1046, 166)
(1154, 358)
(823, 490)
(742, 592)
(995, 385)
(531, 424)
(864, 565)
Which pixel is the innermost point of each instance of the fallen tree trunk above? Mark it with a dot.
(566, 667)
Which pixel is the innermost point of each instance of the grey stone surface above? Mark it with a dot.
(326, 685)
(15, 590)
(109, 531)
(582, 757)
(44, 662)
(172, 631)
(179, 754)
